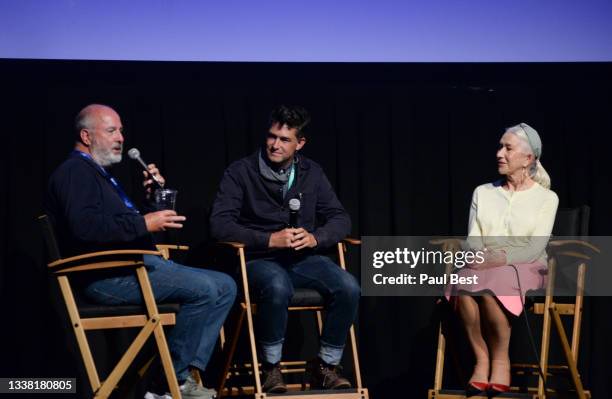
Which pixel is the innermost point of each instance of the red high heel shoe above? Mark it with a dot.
(495, 389)
(474, 388)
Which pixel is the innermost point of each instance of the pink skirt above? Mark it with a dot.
(502, 282)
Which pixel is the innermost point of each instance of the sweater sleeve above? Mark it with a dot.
(336, 221)
(537, 242)
(474, 239)
(89, 218)
(224, 224)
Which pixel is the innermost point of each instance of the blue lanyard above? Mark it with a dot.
(112, 181)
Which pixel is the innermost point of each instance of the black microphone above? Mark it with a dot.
(294, 210)
(135, 155)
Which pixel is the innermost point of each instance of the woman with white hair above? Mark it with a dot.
(511, 221)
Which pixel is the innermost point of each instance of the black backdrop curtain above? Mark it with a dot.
(403, 144)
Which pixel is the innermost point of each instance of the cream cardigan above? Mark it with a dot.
(517, 222)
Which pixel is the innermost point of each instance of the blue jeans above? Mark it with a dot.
(272, 282)
(205, 296)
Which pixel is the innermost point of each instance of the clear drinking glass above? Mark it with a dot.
(165, 198)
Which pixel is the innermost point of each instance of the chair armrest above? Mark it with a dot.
(447, 244)
(352, 241)
(172, 247)
(230, 244)
(166, 248)
(237, 245)
(561, 243)
(571, 248)
(573, 254)
(101, 260)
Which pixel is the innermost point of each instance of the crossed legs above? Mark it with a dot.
(484, 314)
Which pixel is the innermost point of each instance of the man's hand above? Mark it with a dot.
(148, 181)
(303, 239)
(162, 220)
(292, 238)
(281, 239)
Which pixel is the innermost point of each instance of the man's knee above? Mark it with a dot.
(211, 288)
(227, 286)
(350, 288)
(278, 290)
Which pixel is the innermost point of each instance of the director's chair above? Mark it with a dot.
(303, 300)
(568, 222)
(86, 316)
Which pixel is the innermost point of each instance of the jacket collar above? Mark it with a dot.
(303, 164)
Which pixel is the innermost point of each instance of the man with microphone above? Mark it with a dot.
(91, 212)
(283, 208)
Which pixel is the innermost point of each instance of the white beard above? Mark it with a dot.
(105, 157)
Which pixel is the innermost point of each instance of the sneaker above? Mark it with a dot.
(192, 390)
(325, 376)
(151, 395)
(272, 379)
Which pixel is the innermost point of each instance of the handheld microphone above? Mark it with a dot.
(135, 155)
(294, 210)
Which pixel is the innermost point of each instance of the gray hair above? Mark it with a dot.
(83, 120)
(532, 144)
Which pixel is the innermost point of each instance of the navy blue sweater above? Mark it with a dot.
(247, 210)
(87, 212)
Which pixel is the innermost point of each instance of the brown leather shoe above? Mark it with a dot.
(325, 376)
(272, 379)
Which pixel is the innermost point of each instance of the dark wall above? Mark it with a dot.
(403, 144)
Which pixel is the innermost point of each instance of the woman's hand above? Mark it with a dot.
(493, 258)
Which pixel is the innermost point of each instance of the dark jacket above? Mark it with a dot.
(87, 212)
(248, 211)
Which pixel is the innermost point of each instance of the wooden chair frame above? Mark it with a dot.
(247, 308)
(151, 322)
(551, 311)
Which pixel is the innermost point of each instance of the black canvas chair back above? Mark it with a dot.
(46, 225)
(572, 221)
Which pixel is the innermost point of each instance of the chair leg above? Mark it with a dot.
(568, 353)
(578, 311)
(222, 337)
(356, 366)
(341, 249)
(145, 367)
(439, 374)
(548, 303)
(127, 358)
(320, 322)
(249, 314)
(160, 337)
(164, 354)
(90, 366)
(231, 350)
